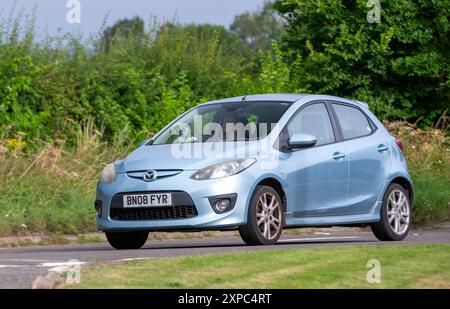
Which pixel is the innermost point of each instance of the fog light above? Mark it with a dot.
(223, 203)
(98, 207)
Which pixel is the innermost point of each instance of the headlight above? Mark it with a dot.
(108, 174)
(223, 169)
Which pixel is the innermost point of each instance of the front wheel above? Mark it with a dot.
(265, 218)
(126, 240)
(395, 215)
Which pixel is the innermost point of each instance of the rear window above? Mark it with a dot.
(354, 122)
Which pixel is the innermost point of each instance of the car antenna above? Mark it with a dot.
(244, 97)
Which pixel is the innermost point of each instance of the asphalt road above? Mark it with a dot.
(20, 266)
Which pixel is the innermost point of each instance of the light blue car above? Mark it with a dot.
(260, 164)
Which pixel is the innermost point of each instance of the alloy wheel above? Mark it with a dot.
(268, 216)
(398, 212)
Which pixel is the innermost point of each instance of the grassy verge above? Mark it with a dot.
(98, 237)
(403, 266)
(50, 240)
(51, 190)
(428, 155)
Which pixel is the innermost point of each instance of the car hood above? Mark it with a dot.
(186, 156)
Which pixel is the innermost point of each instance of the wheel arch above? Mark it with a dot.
(277, 186)
(406, 184)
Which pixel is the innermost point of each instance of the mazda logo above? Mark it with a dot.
(150, 176)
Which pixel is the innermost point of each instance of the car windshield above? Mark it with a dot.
(240, 121)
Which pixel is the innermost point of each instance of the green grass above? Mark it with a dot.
(432, 191)
(402, 266)
(52, 191)
(41, 203)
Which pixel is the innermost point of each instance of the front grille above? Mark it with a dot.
(156, 213)
(159, 174)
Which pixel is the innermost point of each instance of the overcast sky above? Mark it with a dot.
(51, 14)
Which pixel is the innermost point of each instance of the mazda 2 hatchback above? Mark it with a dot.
(260, 164)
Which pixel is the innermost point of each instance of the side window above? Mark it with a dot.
(353, 122)
(314, 120)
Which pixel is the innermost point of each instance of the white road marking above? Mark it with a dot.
(319, 238)
(55, 264)
(26, 260)
(46, 264)
(134, 259)
(15, 266)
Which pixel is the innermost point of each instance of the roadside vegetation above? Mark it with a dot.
(52, 190)
(69, 105)
(428, 155)
(402, 266)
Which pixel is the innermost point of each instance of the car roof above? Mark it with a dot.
(276, 97)
(286, 98)
(335, 98)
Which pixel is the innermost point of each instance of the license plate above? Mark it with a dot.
(147, 200)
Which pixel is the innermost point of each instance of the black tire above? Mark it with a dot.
(251, 233)
(126, 240)
(383, 229)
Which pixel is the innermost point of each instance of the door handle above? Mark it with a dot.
(382, 148)
(338, 156)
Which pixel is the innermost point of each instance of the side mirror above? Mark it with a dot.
(300, 140)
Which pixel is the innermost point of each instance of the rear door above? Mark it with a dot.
(368, 157)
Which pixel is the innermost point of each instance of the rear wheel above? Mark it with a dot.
(395, 215)
(126, 240)
(265, 218)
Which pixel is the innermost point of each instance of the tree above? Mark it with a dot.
(227, 40)
(401, 65)
(124, 28)
(258, 29)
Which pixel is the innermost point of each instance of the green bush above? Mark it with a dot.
(401, 66)
(141, 81)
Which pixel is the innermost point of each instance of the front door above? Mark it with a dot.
(317, 177)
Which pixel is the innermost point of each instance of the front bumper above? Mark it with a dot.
(198, 191)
